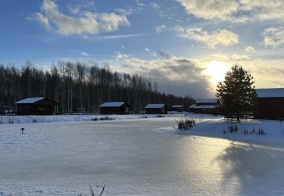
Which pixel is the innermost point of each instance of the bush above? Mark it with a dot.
(261, 131)
(93, 193)
(233, 128)
(185, 124)
(102, 118)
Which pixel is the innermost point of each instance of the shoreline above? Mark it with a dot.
(206, 125)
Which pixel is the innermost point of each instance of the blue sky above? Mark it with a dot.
(184, 45)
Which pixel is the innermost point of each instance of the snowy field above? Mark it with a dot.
(139, 155)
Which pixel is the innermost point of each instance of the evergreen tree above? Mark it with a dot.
(236, 93)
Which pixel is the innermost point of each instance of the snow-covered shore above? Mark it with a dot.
(270, 132)
(206, 125)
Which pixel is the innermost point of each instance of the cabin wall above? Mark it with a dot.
(156, 110)
(114, 110)
(269, 108)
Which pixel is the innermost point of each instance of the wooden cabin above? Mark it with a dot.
(36, 106)
(114, 108)
(270, 103)
(205, 106)
(177, 108)
(156, 109)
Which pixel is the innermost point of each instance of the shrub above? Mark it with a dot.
(233, 128)
(261, 131)
(185, 124)
(246, 131)
(93, 193)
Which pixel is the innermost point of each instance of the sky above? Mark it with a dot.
(186, 46)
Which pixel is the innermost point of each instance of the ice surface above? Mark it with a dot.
(139, 156)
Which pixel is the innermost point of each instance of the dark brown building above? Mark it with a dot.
(270, 103)
(205, 106)
(114, 108)
(156, 109)
(36, 106)
(177, 108)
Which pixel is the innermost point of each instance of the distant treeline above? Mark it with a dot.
(80, 88)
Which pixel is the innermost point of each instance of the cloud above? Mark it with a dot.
(118, 36)
(227, 58)
(163, 54)
(146, 49)
(180, 76)
(220, 37)
(273, 36)
(121, 56)
(86, 23)
(160, 28)
(82, 6)
(264, 10)
(220, 57)
(278, 83)
(85, 54)
(250, 49)
(237, 57)
(210, 9)
(235, 11)
(155, 5)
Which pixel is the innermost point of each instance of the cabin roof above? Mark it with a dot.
(155, 106)
(112, 104)
(207, 100)
(177, 106)
(270, 92)
(30, 100)
(202, 106)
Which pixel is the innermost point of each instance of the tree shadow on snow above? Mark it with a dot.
(246, 163)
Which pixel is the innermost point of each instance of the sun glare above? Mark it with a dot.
(216, 70)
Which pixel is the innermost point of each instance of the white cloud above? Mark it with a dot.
(220, 57)
(263, 9)
(121, 56)
(87, 23)
(210, 9)
(85, 54)
(233, 10)
(273, 36)
(147, 49)
(250, 49)
(239, 57)
(219, 37)
(155, 5)
(84, 5)
(160, 28)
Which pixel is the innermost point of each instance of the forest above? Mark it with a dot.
(80, 88)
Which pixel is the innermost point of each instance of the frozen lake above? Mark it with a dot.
(135, 157)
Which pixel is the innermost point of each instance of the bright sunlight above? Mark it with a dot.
(216, 70)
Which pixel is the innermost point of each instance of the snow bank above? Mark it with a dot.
(248, 130)
(67, 118)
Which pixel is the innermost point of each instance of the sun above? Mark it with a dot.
(216, 70)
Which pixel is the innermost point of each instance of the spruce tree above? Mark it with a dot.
(236, 93)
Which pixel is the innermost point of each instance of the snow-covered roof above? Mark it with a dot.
(209, 100)
(155, 105)
(270, 92)
(177, 106)
(202, 106)
(112, 104)
(30, 100)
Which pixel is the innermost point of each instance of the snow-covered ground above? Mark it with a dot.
(139, 155)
